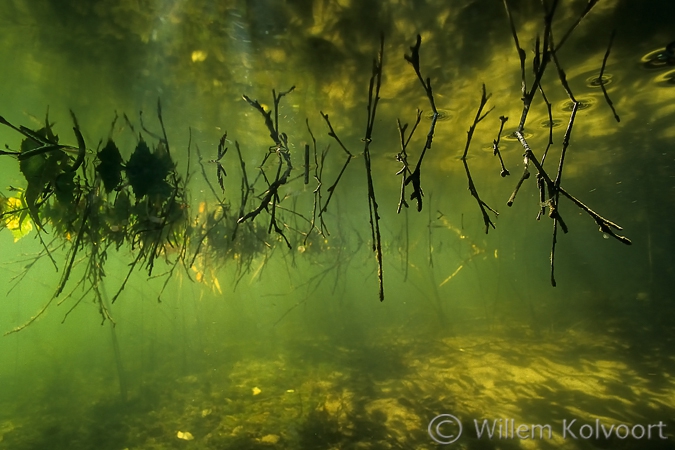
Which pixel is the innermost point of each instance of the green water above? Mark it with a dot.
(252, 345)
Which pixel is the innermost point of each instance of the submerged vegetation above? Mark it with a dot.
(89, 201)
(292, 163)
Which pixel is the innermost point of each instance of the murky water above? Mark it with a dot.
(269, 333)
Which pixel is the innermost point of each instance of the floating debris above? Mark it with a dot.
(256, 390)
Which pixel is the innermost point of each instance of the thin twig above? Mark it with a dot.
(318, 169)
(495, 147)
(402, 157)
(602, 82)
(350, 155)
(484, 207)
(415, 176)
(373, 99)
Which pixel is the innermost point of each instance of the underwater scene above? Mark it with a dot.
(337, 224)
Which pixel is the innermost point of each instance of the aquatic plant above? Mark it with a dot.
(94, 200)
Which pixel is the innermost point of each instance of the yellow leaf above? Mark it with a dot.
(15, 223)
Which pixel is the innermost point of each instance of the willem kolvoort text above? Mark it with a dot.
(570, 429)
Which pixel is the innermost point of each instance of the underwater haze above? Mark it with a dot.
(337, 224)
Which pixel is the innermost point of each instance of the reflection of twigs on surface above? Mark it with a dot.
(521, 53)
(548, 104)
(495, 146)
(540, 63)
(602, 82)
(540, 183)
(584, 13)
(416, 174)
(472, 187)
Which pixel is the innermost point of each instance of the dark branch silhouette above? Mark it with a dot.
(480, 115)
